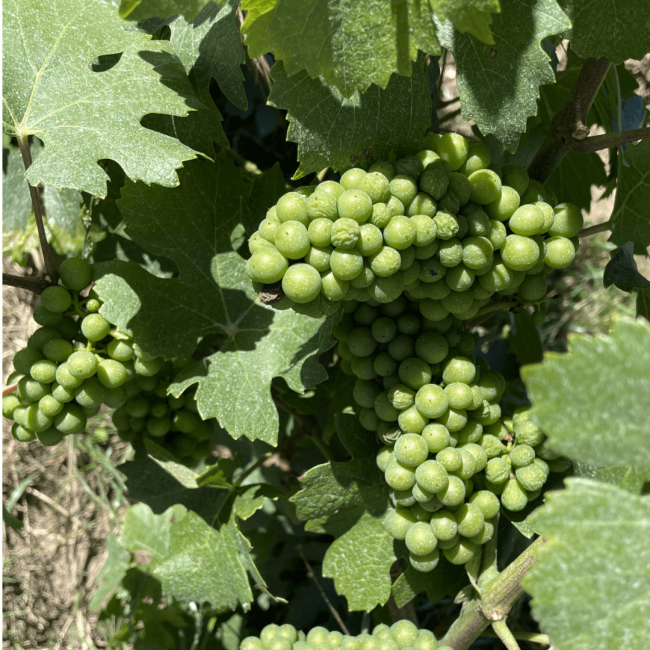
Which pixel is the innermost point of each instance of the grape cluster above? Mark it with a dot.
(77, 361)
(445, 226)
(449, 456)
(402, 635)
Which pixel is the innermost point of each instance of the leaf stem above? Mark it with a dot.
(258, 463)
(34, 283)
(506, 636)
(39, 211)
(533, 637)
(592, 230)
(484, 313)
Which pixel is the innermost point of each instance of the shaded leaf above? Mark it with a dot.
(591, 582)
(84, 116)
(360, 442)
(622, 271)
(499, 84)
(332, 131)
(142, 9)
(643, 303)
(445, 580)
(111, 574)
(16, 202)
(267, 188)
(527, 341)
(592, 402)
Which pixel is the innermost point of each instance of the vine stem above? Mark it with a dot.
(504, 633)
(533, 637)
(34, 283)
(486, 312)
(496, 602)
(592, 230)
(258, 463)
(37, 206)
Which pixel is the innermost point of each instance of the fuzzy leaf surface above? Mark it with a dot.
(191, 225)
(143, 9)
(332, 131)
(592, 402)
(445, 580)
(83, 116)
(616, 29)
(574, 177)
(351, 45)
(590, 526)
(631, 217)
(499, 83)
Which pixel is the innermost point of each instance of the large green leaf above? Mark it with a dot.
(267, 188)
(142, 9)
(622, 271)
(631, 216)
(472, 17)
(209, 47)
(351, 45)
(499, 84)
(591, 583)
(332, 131)
(359, 562)
(593, 402)
(445, 580)
(83, 116)
(616, 29)
(191, 225)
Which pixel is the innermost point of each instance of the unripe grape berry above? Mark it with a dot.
(425, 563)
(333, 288)
(267, 266)
(58, 350)
(21, 433)
(43, 371)
(384, 408)
(147, 368)
(111, 373)
(431, 401)
(520, 253)
(560, 252)
(397, 522)
(301, 283)
(527, 220)
(257, 243)
(432, 476)
(485, 186)
(82, 364)
(71, 420)
(462, 552)
(459, 369)
(411, 450)
(504, 206)
(516, 177)
(95, 327)
(381, 214)
(120, 350)
(434, 182)
(534, 192)
(400, 233)
(401, 396)
(346, 265)
(450, 459)
(292, 240)
(375, 185)
(403, 188)
(399, 476)
(453, 149)
(532, 477)
(56, 299)
(568, 221)
(436, 436)
(24, 359)
(420, 539)
(41, 336)
(45, 317)
(514, 497)
(355, 204)
(528, 433)
(412, 421)
(320, 233)
(345, 233)
(322, 205)
(292, 207)
(75, 273)
(50, 437)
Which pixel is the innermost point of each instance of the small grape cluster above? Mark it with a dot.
(449, 456)
(77, 361)
(402, 635)
(445, 226)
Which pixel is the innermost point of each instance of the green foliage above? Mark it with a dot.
(622, 271)
(574, 177)
(590, 584)
(142, 9)
(49, 87)
(332, 130)
(579, 416)
(499, 83)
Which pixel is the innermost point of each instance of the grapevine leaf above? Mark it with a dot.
(631, 479)
(336, 524)
(592, 401)
(253, 497)
(192, 225)
(527, 340)
(267, 188)
(616, 29)
(499, 84)
(117, 247)
(622, 271)
(83, 116)
(209, 46)
(351, 45)
(16, 202)
(631, 217)
(468, 17)
(643, 303)
(574, 177)
(143, 9)
(359, 563)
(193, 561)
(111, 574)
(332, 131)
(580, 605)
(357, 440)
(334, 486)
(445, 580)
(64, 207)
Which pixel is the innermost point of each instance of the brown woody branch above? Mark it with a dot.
(39, 212)
(599, 142)
(34, 283)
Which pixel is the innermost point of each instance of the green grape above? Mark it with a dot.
(9, 404)
(320, 233)
(534, 192)
(478, 157)
(446, 226)
(451, 253)
(460, 186)
(522, 455)
(527, 220)
(43, 371)
(485, 186)
(487, 502)
(355, 204)
(533, 476)
(384, 168)
(409, 324)
(411, 275)
(409, 166)
(21, 433)
(431, 347)
(322, 205)
(450, 458)
(397, 522)
(251, 643)
(425, 229)
(412, 421)
(68, 328)
(520, 253)
(58, 350)
(332, 288)
(433, 310)
(514, 497)
(497, 470)
(478, 223)
(90, 394)
(449, 203)
(453, 149)
(25, 359)
(400, 233)
(345, 233)
(422, 204)
(292, 241)
(434, 182)
(365, 393)
(159, 426)
(365, 278)
(384, 330)
(411, 450)
(375, 185)
(361, 342)
(420, 539)
(425, 563)
(95, 327)
(459, 395)
(497, 235)
(268, 265)
(381, 215)
(468, 465)
(459, 279)
(533, 288)
(384, 408)
(401, 396)
(346, 265)
(470, 520)
(431, 401)
(384, 456)
(485, 535)
(431, 475)
(528, 433)
(56, 298)
(302, 283)
(31, 390)
(504, 206)
(369, 240)
(145, 367)
(365, 315)
(40, 337)
(461, 552)
(395, 207)
(567, 222)
(50, 437)
(62, 393)
(560, 252)
(138, 406)
(292, 207)
(404, 633)
(547, 212)
(257, 243)
(454, 493)
(386, 262)
(111, 373)
(415, 373)
(436, 436)
(351, 179)
(45, 317)
(268, 229)
(142, 354)
(515, 177)
(403, 188)
(444, 526)
(75, 273)
(422, 496)
(460, 369)
(71, 420)
(432, 270)
(120, 350)
(472, 430)
(399, 477)
(401, 347)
